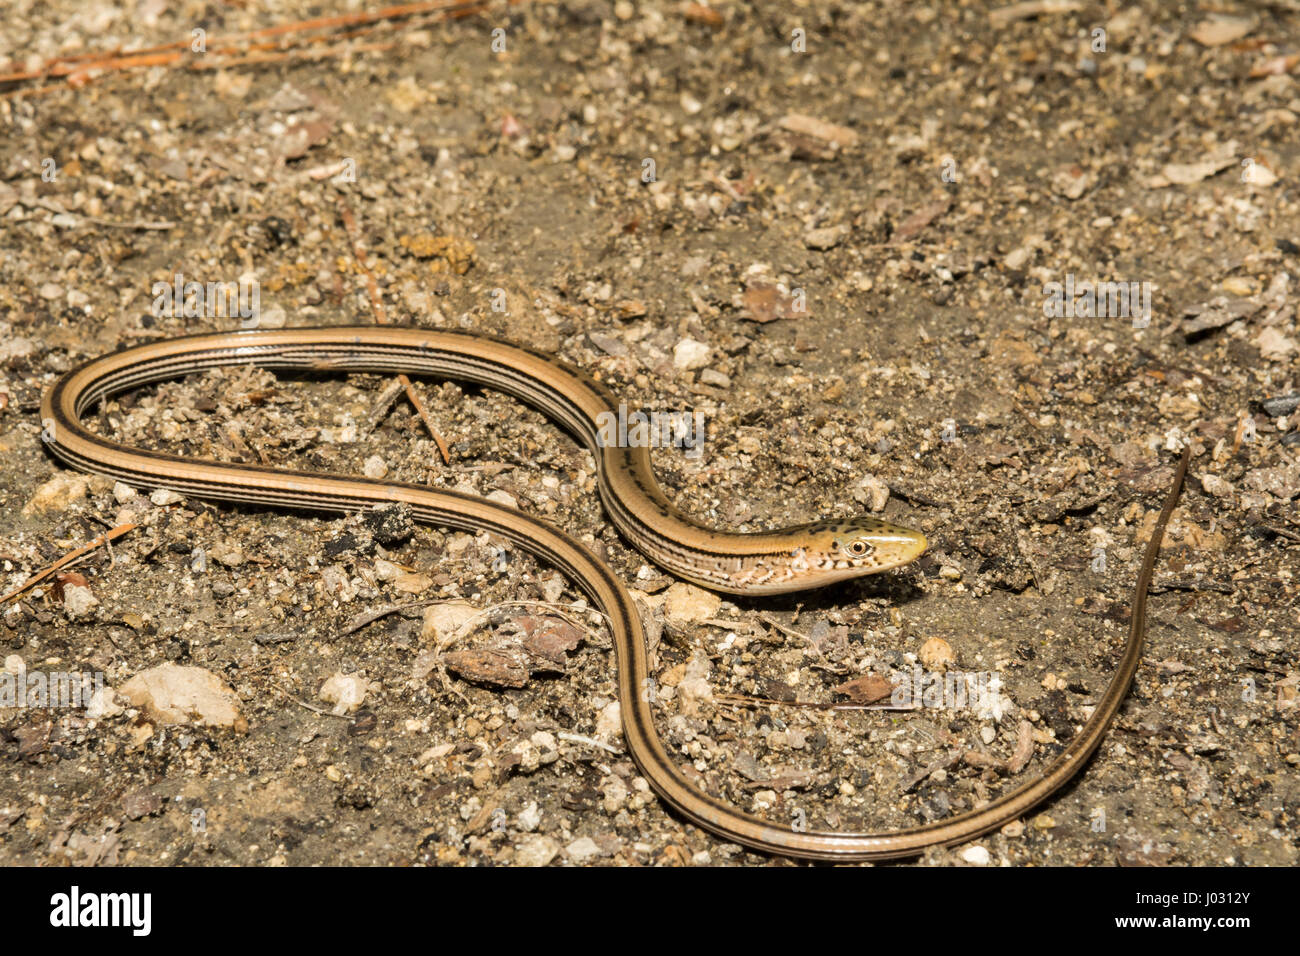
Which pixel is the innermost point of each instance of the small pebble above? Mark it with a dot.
(937, 654)
(537, 851)
(976, 856)
(689, 354)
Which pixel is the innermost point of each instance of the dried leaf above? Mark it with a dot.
(494, 666)
(867, 689)
(549, 640)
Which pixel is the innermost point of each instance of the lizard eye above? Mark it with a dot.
(859, 547)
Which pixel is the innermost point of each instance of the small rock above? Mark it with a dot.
(1133, 850)
(386, 570)
(103, 704)
(689, 354)
(841, 136)
(272, 318)
(503, 498)
(827, 237)
(537, 851)
(582, 850)
(615, 794)
(57, 494)
(1071, 181)
(375, 467)
(694, 687)
(546, 746)
(610, 722)
(172, 694)
(976, 856)
(441, 621)
(529, 819)
(1221, 29)
(530, 758)
(413, 583)
(1214, 485)
(78, 601)
(1239, 286)
(346, 692)
(609, 344)
(1273, 345)
(1185, 174)
(1018, 258)
(1281, 481)
(937, 654)
(1281, 405)
(230, 555)
(687, 604)
(872, 492)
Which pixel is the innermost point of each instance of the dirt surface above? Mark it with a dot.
(861, 237)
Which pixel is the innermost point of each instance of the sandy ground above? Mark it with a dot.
(832, 229)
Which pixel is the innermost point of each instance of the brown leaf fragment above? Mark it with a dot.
(492, 666)
(766, 303)
(549, 641)
(33, 738)
(63, 579)
(867, 689)
(914, 224)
